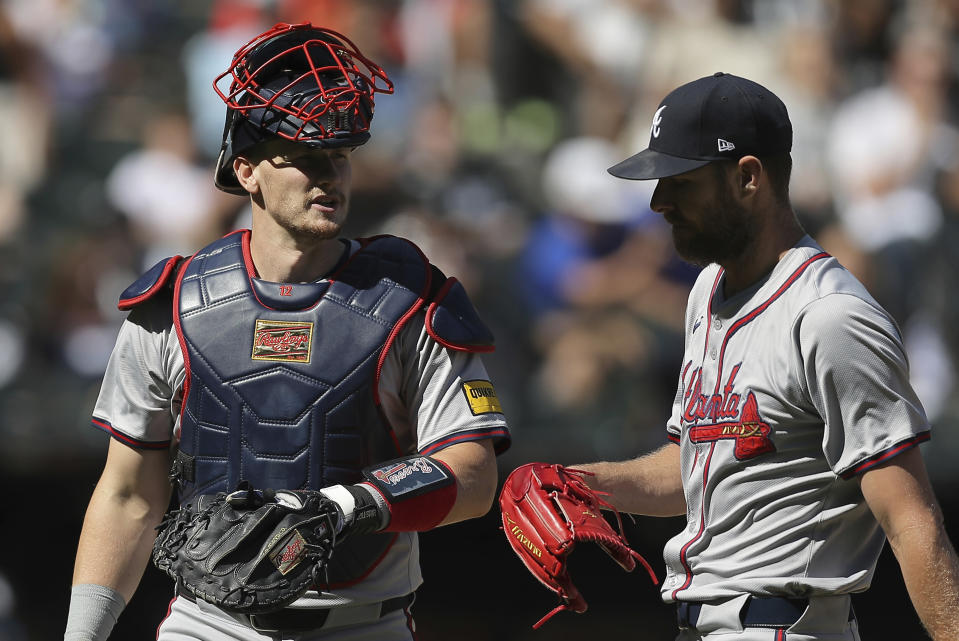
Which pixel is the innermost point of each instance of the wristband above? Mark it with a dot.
(94, 610)
(419, 491)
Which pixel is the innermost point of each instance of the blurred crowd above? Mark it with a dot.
(491, 156)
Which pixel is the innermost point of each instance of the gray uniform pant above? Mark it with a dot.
(825, 619)
(200, 621)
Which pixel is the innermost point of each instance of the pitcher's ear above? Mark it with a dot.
(750, 174)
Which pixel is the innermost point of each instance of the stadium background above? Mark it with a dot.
(491, 157)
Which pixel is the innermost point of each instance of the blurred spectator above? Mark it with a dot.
(587, 218)
(206, 55)
(85, 278)
(605, 301)
(862, 37)
(25, 111)
(886, 147)
(168, 198)
(596, 384)
(13, 348)
(603, 45)
(697, 38)
(808, 85)
(73, 38)
(941, 286)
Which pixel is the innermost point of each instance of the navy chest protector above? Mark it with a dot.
(281, 379)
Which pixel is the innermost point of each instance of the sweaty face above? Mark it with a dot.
(709, 225)
(303, 190)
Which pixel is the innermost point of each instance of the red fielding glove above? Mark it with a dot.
(546, 510)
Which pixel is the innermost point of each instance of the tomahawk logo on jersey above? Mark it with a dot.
(743, 424)
(750, 433)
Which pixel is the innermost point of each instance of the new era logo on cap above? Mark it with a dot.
(714, 118)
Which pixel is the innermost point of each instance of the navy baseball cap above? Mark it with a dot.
(714, 118)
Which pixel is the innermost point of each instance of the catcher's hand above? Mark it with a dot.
(250, 551)
(546, 510)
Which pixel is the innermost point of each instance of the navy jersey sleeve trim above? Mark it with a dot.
(673, 438)
(500, 433)
(138, 444)
(885, 455)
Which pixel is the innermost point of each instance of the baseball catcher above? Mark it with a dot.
(548, 509)
(344, 373)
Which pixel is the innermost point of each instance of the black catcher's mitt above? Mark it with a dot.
(250, 551)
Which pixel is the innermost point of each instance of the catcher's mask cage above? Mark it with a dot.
(299, 82)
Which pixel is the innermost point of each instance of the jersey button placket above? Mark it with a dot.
(716, 339)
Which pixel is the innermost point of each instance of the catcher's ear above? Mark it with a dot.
(244, 169)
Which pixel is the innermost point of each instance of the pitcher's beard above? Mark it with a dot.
(724, 235)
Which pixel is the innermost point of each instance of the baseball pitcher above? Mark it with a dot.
(794, 431)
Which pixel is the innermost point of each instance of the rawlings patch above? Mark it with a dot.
(750, 432)
(481, 397)
(289, 553)
(282, 341)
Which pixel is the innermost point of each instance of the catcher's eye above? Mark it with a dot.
(302, 156)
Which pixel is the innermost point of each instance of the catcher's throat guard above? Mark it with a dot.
(546, 510)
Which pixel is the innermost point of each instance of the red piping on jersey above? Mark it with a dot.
(702, 527)
(409, 619)
(169, 610)
(781, 634)
(748, 318)
(751, 316)
(702, 515)
(670, 436)
(478, 435)
(884, 456)
(129, 440)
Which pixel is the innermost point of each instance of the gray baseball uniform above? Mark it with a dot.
(788, 390)
(424, 390)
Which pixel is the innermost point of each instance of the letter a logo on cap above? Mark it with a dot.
(657, 121)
